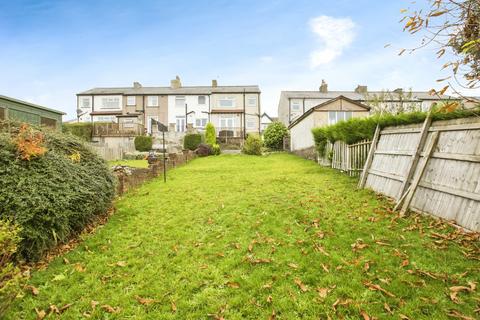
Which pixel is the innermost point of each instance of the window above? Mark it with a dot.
(85, 103)
(105, 118)
(110, 103)
(202, 100)
(152, 101)
(200, 123)
(336, 116)
(295, 106)
(227, 122)
(47, 122)
(180, 101)
(180, 124)
(131, 100)
(252, 101)
(251, 123)
(128, 123)
(227, 102)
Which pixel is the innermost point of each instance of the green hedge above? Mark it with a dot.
(83, 130)
(53, 195)
(143, 143)
(191, 141)
(11, 278)
(357, 129)
(253, 145)
(274, 134)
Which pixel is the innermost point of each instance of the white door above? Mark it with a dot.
(180, 126)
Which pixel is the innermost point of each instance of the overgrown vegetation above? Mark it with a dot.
(274, 135)
(83, 130)
(10, 275)
(191, 141)
(357, 129)
(238, 237)
(53, 194)
(253, 145)
(143, 143)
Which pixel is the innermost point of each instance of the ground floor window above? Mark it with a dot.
(251, 123)
(180, 125)
(47, 122)
(227, 122)
(200, 123)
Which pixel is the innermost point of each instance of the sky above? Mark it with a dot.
(51, 50)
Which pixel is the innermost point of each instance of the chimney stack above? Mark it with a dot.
(214, 83)
(398, 90)
(176, 83)
(361, 89)
(137, 85)
(324, 87)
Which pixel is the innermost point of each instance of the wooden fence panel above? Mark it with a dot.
(449, 186)
(344, 157)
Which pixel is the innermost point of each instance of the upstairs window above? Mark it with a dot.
(227, 102)
(252, 102)
(85, 103)
(336, 116)
(202, 100)
(180, 101)
(152, 101)
(295, 106)
(131, 100)
(110, 103)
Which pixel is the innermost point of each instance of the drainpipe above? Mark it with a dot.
(244, 113)
(289, 110)
(259, 116)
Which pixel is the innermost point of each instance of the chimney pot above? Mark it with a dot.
(214, 83)
(176, 83)
(323, 87)
(361, 89)
(137, 85)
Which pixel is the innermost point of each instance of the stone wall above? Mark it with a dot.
(307, 153)
(129, 178)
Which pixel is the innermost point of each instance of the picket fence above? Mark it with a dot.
(349, 158)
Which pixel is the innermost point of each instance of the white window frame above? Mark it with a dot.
(131, 100)
(180, 101)
(107, 103)
(204, 100)
(251, 124)
(250, 103)
(152, 101)
(223, 99)
(225, 121)
(180, 124)
(87, 100)
(128, 123)
(337, 116)
(201, 122)
(296, 106)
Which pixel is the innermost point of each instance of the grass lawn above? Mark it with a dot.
(130, 163)
(245, 237)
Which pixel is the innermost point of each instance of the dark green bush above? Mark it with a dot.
(10, 276)
(191, 141)
(143, 143)
(274, 134)
(357, 129)
(53, 196)
(83, 130)
(210, 135)
(253, 145)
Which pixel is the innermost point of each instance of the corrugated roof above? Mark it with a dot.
(31, 104)
(172, 91)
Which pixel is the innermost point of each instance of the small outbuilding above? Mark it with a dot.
(326, 113)
(14, 109)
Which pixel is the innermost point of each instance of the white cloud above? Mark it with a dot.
(335, 34)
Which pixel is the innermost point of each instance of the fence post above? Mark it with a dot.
(421, 169)
(371, 153)
(416, 156)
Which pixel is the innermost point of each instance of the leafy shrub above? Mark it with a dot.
(216, 149)
(83, 130)
(210, 135)
(253, 145)
(357, 129)
(143, 143)
(53, 196)
(274, 134)
(191, 141)
(204, 150)
(10, 276)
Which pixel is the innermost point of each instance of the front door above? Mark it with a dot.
(180, 125)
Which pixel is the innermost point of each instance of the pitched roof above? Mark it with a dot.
(323, 104)
(391, 95)
(172, 91)
(31, 104)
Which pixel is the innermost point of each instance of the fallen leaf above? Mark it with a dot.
(293, 265)
(65, 307)
(456, 314)
(325, 268)
(34, 290)
(457, 289)
(301, 285)
(322, 292)
(235, 285)
(94, 304)
(78, 266)
(173, 306)
(387, 308)
(41, 314)
(273, 316)
(376, 287)
(364, 315)
(110, 309)
(59, 277)
(121, 264)
(405, 263)
(366, 266)
(269, 299)
(145, 301)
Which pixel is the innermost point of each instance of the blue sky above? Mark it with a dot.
(51, 50)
